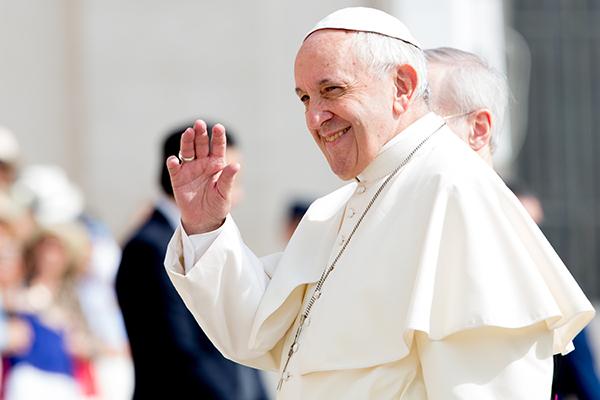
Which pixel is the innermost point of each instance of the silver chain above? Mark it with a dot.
(326, 272)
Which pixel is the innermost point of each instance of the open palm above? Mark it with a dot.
(203, 186)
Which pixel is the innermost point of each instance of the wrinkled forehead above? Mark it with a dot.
(327, 52)
(331, 44)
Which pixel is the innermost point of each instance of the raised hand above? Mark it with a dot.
(202, 185)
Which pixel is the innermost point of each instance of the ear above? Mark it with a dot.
(481, 129)
(405, 80)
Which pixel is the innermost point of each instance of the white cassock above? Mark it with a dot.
(447, 290)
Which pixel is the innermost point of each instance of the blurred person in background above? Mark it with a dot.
(21, 220)
(9, 158)
(53, 200)
(295, 212)
(16, 224)
(172, 356)
(470, 95)
(11, 262)
(16, 334)
(58, 364)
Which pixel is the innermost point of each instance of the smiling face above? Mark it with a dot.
(349, 113)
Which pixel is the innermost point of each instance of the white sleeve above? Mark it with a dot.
(222, 287)
(195, 246)
(488, 363)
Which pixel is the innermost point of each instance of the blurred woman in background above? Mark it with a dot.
(57, 366)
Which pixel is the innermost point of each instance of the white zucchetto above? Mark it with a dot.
(364, 19)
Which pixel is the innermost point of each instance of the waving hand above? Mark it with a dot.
(202, 182)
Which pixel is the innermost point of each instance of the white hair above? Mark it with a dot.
(470, 83)
(382, 53)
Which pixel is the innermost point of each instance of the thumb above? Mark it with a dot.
(225, 182)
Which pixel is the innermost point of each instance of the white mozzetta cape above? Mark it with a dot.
(446, 253)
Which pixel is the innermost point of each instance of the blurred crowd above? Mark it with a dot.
(61, 330)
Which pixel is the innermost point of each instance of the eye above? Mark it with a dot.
(304, 98)
(332, 91)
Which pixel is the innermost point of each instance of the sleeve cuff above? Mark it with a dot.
(195, 246)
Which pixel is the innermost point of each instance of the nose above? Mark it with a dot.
(316, 115)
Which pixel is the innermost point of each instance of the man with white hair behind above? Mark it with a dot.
(422, 278)
(471, 96)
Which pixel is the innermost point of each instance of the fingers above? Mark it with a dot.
(195, 141)
(201, 141)
(173, 164)
(218, 141)
(186, 146)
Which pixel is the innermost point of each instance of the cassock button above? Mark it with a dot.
(350, 213)
(361, 189)
(307, 322)
(341, 240)
(287, 376)
(295, 347)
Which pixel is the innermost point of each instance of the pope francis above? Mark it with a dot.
(422, 278)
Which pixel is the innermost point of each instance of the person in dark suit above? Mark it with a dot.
(172, 356)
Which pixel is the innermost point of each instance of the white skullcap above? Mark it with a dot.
(364, 19)
(9, 147)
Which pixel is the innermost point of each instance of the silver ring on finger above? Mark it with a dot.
(185, 159)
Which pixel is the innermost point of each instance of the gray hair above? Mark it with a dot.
(382, 53)
(470, 83)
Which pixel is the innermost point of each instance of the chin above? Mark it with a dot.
(345, 176)
(343, 171)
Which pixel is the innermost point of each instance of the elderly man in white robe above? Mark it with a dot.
(422, 278)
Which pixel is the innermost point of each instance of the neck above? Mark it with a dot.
(486, 153)
(415, 112)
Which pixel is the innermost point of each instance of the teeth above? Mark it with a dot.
(337, 135)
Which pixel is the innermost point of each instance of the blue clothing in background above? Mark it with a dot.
(48, 350)
(578, 373)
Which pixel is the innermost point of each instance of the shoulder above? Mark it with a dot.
(155, 232)
(453, 165)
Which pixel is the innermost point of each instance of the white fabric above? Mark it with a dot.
(446, 262)
(196, 245)
(364, 19)
(26, 382)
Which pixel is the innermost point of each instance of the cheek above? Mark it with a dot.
(320, 142)
(315, 136)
